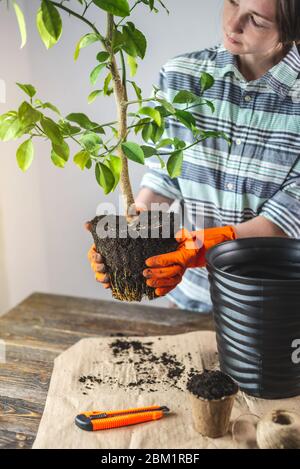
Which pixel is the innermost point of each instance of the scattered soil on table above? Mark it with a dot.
(211, 385)
(143, 351)
(146, 363)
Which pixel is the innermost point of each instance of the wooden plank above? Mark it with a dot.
(44, 323)
(89, 323)
(55, 340)
(20, 416)
(21, 353)
(12, 440)
(112, 309)
(39, 337)
(25, 381)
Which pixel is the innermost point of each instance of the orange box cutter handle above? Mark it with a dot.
(99, 420)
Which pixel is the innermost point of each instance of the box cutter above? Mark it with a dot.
(101, 420)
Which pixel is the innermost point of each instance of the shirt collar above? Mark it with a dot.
(279, 78)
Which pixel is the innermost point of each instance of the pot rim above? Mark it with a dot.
(243, 243)
(224, 398)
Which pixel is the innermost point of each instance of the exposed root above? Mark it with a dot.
(123, 291)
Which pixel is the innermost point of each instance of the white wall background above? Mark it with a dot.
(43, 245)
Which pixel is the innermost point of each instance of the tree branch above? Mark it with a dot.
(80, 17)
(120, 93)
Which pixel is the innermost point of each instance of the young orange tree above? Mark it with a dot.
(105, 147)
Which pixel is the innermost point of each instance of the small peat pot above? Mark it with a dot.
(255, 291)
(125, 247)
(212, 395)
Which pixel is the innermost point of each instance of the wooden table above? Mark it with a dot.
(43, 326)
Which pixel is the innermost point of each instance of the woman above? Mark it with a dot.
(251, 189)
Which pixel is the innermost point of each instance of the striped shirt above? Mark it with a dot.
(259, 174)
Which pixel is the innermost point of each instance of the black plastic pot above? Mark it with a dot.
(255, 290)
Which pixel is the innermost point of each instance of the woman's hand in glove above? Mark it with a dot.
(97, 264)
(97, 261)
(165, 271)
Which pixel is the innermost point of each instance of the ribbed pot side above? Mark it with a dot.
(255, 291)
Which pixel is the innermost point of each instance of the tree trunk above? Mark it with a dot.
(121, 100)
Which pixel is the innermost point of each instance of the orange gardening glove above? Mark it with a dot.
(97, 263)
(166, 270)
(96, 260)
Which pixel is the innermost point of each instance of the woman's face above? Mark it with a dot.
(252, 24)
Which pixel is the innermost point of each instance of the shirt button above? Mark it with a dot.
(247, 98)
(230, 186)
(238, 141)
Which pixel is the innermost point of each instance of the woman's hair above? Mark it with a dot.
(288, 20)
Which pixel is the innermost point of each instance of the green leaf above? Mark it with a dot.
(185, 96)
(150, 111)
(48, 40)
(115, 7)
(24, 130)
(147, 132)
(162, 163)
(52, 107)
(140, 125)
(117, 40)
(179, 144)
(104, 177)
(8, 114)
(84, 42)
(115, 165)
(67, 129)
(25, 154)
(114, 131)
(210, 104)
(21, 23)
(28, 89)
(28, 115)
(93, 95)
(51, 19)
(52, 130)
(102, 56)
(162, 110)
(57, 160)
(168, 106)
(186, 118)
(157, 132)
(84, 122)
(96, 72)
(133, 152)
(165, 142)
(62, 150)
(174, 164)
(138, 92)
(106, 90)
(206, 81)
(132, 65)
(91, 142)
(81, 158)
(134, 42)
(89, 164)
(148, 151)
(225, 137)
(215, 134)
(131, 25)
(150, 3)
(9, 126)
